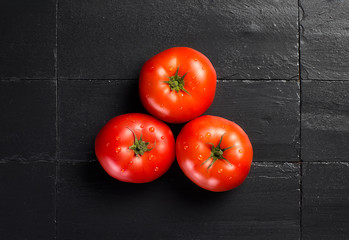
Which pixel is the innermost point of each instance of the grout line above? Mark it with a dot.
(57, 133)
(300, 125)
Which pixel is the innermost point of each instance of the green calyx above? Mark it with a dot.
(176, 82)
(139, 146)
(217, 153)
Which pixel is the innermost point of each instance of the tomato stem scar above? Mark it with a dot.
(177, 83)
(139, 146)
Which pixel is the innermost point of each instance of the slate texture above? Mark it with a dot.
(325, 201)
(27, 119)
(324, 39)
(28, 39)
(325, 121)
(27, 200)
(112, 39)
(91, 204)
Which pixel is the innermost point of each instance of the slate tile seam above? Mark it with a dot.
(57, 120)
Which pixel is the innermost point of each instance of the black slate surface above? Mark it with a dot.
(325, 121)
(174, 208)
(28, 39)
(325, 200)
(324, 39)
(67, 67)
(112, 39)
(28, 118)
(27, 200)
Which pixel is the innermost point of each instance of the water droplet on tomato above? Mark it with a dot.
(208, 134)
(203, 68)
(230, 178)
(181, 94)
(122, 170)
(150, 157)
(223, 126)
(162, 105)
(197, 83)
(171, 68)
(193, 88)
(117, 149)
(162, 137)
(180, 108)
(130, 163)
(151, 68)
(220, 170)
(200, 157)
(156, 169)
(195, 59)
(117, 138)
(196, 146)
(133, 121)
(239, 165)
(241, 151)
(108, 144)
(151, 129)
(201, 137)
(141, 126)
(185, 147)
(204, 89)
(193, 77)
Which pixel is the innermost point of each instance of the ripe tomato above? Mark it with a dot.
(214, 153)
(177, 84)
(135, 148)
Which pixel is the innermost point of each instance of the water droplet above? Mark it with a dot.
(195, 59)
(147, 95)
(117, 138)
(193, 88)
(171, 68)
(196, 146)
(193, 77)
(180, 108)
(220, 170)
(130, 163)
(162, 105)
(141, 126)
(122, 170)
(223, 126)
(162, 137)
(133, 121)
(108, 144)
(239, 165)
(208, 135)
(150, 157)
(151, 68)
(117, 149)
(156, 169)
(204, 89)
(185, 147)
(241, 151)
(201, 137)
(230, 178)
(181, 94)
(151, 129)
(197, 83)
(203, 68)
(200, 157)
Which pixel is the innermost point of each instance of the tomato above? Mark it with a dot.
(177, 84)
(214, 153)
(135, 148)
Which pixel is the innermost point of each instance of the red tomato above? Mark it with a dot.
(214, 153)
(135, 148)
(177, 84)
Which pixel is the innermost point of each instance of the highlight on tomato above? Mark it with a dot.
(177, 84)
(214, 153)
(135, 148)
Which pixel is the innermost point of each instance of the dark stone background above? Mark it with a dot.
(68, 66)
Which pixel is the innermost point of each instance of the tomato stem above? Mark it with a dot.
(139, 146)
(217, 153)
(176, 82)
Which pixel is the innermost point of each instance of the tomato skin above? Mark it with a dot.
(169, 105)
(114, 139)
(192, 149)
